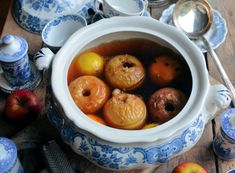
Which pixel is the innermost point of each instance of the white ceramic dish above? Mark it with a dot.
(125, 149)
(216, 34)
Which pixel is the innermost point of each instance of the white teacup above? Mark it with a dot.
(110, 8)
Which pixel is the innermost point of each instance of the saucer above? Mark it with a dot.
(89, 11)
(31, 85)
(216, 34)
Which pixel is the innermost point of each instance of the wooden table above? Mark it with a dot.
(201, 152)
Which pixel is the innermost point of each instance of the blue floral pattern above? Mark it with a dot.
(17, 73)
(34, 23)
(31, 84)
(48, 5)
(60, 19)
(15, 54)
(27, 21)
(15, 63)
(114, 156)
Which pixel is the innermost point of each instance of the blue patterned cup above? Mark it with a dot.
(224, 143)
(14, 60)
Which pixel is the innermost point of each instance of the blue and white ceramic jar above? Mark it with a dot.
(224, 143)
(9, 162)
(14, 60)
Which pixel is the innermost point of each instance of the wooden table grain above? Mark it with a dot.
(201, 153)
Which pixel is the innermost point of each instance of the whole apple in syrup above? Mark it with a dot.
(22, 105)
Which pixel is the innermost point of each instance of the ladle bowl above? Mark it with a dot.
(194, 18)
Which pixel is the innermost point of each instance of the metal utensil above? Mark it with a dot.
(56, 158)
(194, 18)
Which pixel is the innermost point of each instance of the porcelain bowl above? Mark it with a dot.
(59, 29)
(126, 149)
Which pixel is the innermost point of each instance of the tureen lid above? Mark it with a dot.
(8, 154)
(12, 48)
(228, 123)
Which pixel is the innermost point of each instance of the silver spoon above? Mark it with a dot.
(194, 18)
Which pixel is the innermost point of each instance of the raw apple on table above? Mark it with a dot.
(22, 106)
(189, 167)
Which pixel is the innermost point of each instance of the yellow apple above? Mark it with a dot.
(90, 63)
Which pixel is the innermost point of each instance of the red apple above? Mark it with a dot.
(189, 167)
(22, 105)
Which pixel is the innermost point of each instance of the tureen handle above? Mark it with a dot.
(43, 58)
(219, 97)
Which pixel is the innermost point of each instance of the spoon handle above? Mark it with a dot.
(220, 68)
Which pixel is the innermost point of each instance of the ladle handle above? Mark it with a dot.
(220, 68)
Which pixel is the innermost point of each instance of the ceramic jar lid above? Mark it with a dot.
(8, 154)
(228, 123)
(12, 48)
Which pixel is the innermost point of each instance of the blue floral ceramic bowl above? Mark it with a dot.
(59, 29)
(118, 149)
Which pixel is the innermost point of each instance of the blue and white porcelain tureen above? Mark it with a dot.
(126, 149)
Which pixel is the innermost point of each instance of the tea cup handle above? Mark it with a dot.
(43, 58)
(219, 97)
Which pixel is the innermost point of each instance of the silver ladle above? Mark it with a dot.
(194, 18)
